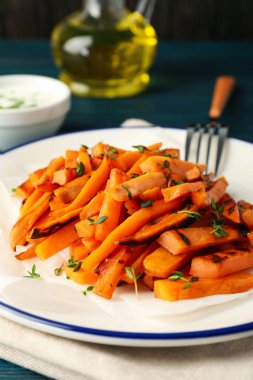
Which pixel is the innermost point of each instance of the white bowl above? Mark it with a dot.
(52, 100)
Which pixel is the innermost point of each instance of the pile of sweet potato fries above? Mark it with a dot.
(137, 215)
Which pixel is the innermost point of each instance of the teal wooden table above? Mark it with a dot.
(180, 90)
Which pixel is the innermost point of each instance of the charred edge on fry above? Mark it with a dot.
(183, 237)
(38, 233)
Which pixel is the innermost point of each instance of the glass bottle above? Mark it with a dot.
(105, 50)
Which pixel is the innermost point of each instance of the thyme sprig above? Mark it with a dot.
(165, 165)
(129, 194)
(190, 214)
(72, 263)
(140, 148)
(110, 151)
(33, 274)
(218, 225)
(87, 290)
(98, 221)
(58, 271)
(80, 169)
(180, 276)
(147, 203)
(131, 273)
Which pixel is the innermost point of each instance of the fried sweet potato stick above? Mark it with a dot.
(126, 228)
(175, 290)
(203, 198)
(161, 263)
(78, 251)
(109, 278)
(110, 208)
(136, 186)
(26, 223)
(57, 241)
(156, 164)
(54, 224)
(30, 201)
(94, 184)
(93, 207)
(28, 254)
(84, 158)
(151, 231)
(182, 190)
(68, 192)
(185, 240)
(221, 263)
(137, 264)
(81, 276)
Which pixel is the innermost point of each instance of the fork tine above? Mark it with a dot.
(201, 132)
(222, 135)
(190, 131)
(211, 131)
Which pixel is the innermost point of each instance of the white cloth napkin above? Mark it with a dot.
(66, 359)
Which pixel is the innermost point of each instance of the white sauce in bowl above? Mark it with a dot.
(23, 97)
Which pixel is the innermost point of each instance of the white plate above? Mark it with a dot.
(57, 306)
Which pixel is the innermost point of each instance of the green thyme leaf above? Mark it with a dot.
(176, 275)
(14, 189)
(135, 175)
(58, 271)
(72, 263)
(213, 205)
(180, 274)
(80, 169)
(98, 221)
(191, 214)
(113, 150)
(170, 156)
(221, 208)
(218, 229)
(32, 273)
(218, 226)
(140, 148)
(84, 146)
(89, 289)
(129, 194)
(77, 266)
(178, 182)
(112, 157)
(164, 165)
(146, 204)
(131, 273)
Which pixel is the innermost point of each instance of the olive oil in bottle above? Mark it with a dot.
(105, 50)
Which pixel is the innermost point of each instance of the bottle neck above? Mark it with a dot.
(113, 10)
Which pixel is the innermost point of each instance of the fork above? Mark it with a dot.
(223, 88)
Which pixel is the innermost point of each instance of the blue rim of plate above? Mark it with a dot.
(246, 327)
